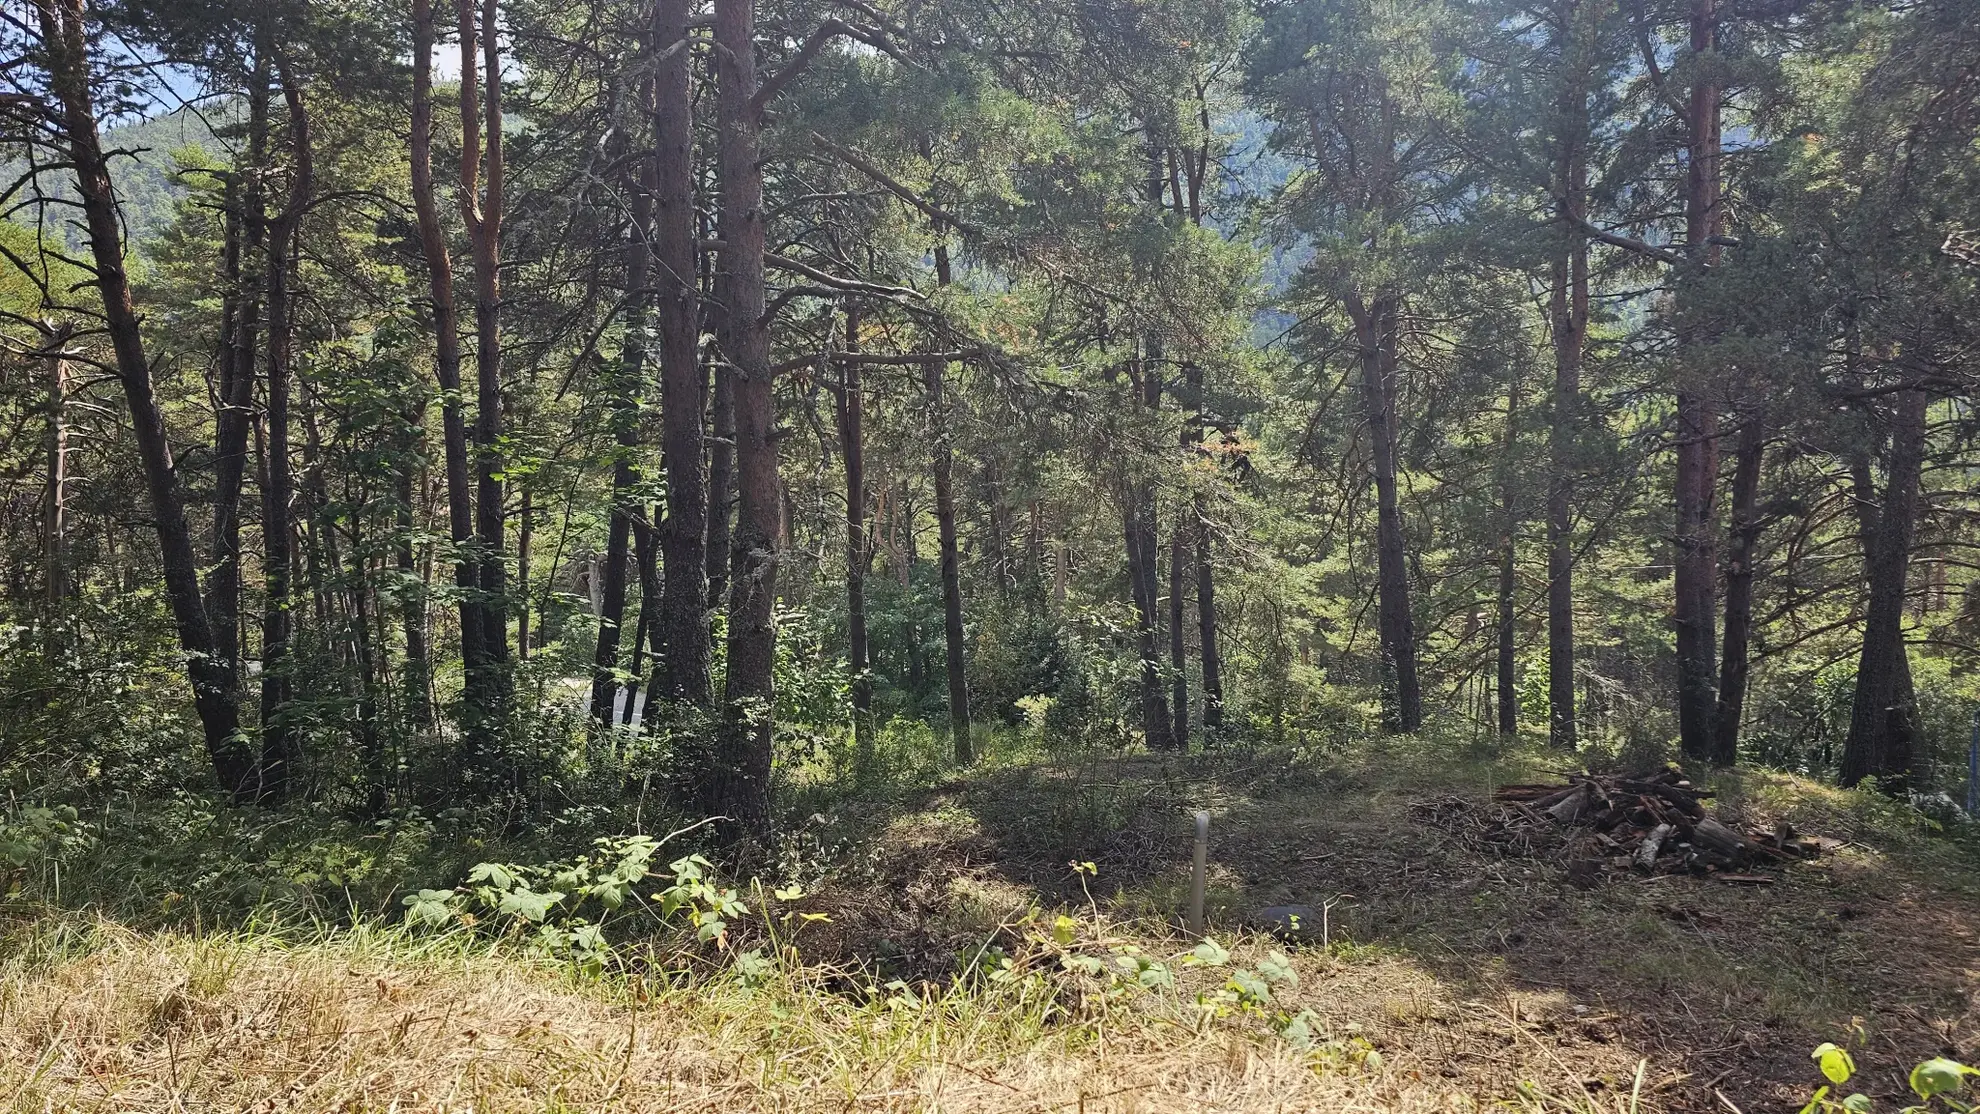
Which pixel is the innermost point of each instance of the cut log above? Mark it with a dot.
(1571, 807)
(1710, 835)
(1652, 846)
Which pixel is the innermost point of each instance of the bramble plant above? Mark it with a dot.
(1939, 1084)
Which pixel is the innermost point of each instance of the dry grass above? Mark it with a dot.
(372, 1021)
(1482, 981)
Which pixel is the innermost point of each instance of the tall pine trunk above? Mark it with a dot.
(278, 735)
(681, 621)
(945, 526)
(625, 385)
(1695, 559)
(1377, 325)
(852, 447)
(483, 181)
(1141, 534)
(1746, 527)
(1178, 640)
(1570, 328)
(245, 231)
(215, 695)
(1507, 630)
(478, 727)
(55, 508)
(736, 781)
(417, 674)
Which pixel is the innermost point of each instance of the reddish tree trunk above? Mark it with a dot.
(477, 728)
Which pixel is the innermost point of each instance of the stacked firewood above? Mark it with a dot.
(1652, 823)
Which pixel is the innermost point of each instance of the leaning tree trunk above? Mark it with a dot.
(1695, 559)
(1881, 715)
(735, 781)
(215, 696)
(278, 735)
(1376, 328)
(1746, 527)
(682, 618)
(477, 727)
(481, 209)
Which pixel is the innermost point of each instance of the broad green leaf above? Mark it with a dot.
(1211, 953)
(1939, 1077)
(1835, 1062)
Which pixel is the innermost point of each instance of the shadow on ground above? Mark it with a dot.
(1468, 969)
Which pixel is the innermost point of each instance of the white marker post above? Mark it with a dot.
(1199, 868)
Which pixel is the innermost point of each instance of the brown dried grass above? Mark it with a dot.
(375, 1021)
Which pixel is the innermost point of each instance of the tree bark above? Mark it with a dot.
(1695, 559)
(1570, 329)
(1508, 662)
(215, 696)
(477, 726)
(852, 447)
(736, 783)
(1140, 533)
(483, 180)
(625, 386)
(1881, 716)
(55, 522)
(1206, 618)
(278, 737)
(1746, 527)
(418, 670)
(1376, 326)
(525, 538)
(682, 620)
(1178, 642)
(945, 524)
(241, 259)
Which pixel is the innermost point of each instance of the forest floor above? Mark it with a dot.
(1478, 980)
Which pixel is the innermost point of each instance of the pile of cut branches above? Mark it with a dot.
(1650, 823)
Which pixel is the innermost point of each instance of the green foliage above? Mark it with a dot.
(1939, 1084)
(564, 908)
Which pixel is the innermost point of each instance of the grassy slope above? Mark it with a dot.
(1479, 979)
